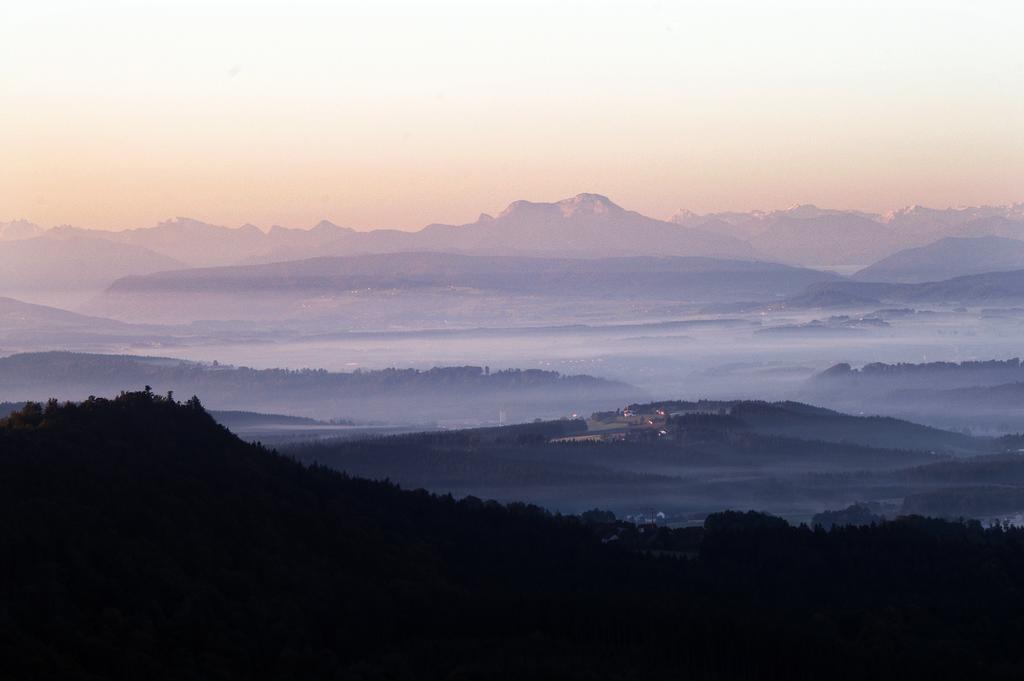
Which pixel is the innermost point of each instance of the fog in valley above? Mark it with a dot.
(373, 351)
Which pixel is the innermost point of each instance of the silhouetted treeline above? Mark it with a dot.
(855, 514)
(142, 540)
(877, 368)
(459, 394)
(972, 396)
(78, 368)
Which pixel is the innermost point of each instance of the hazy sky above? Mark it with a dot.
(371, 114)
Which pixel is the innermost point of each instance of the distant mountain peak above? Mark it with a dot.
(684, 216)
(589, 197)
(184, 223)
(587, 204)
(19, 229)
(520, 206)
(905, 210)
(187, 224)
(805, 211)
(581, 204)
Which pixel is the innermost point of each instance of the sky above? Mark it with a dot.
(398, 114)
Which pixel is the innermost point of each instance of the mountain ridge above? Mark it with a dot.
(947, 258)
(341, 285)
(588, 225)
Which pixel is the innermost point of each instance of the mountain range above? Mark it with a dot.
(67, 265)
(809, 235)
(584, 225)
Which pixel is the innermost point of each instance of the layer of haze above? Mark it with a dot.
(371, 114)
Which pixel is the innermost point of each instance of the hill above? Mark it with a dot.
(807, 422)
(444, 283)
(16, 315)
(990, 288)
(978, 395)
(184, 552)
(27, 325)
(67, 267)
(932, 375)
(142, 540)
(684, 459)
(236, 421)
(465, 394)
(947, 258)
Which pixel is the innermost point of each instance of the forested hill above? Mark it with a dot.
(143, 540)
(995, 370)
(977, 395)
(28, 369)
(805, 421)
(452, 393)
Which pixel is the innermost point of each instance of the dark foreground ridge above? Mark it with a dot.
(141, 540)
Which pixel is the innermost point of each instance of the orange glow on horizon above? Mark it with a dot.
(399, 114)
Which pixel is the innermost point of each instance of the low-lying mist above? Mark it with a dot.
(345, 349)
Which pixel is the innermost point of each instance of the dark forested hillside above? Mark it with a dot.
(143, 540)
(532, 459)
(805, 421)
